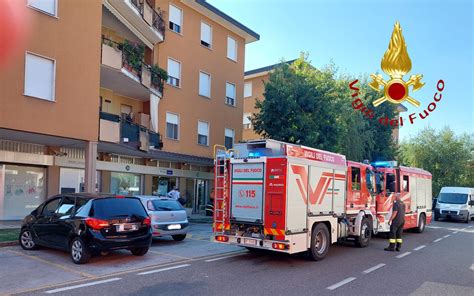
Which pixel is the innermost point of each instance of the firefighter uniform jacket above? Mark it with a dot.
(399, 219)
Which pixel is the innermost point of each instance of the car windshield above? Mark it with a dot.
(118, 207)
(166, 205)
(452, 198)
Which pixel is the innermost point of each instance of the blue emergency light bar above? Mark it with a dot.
(384, 164)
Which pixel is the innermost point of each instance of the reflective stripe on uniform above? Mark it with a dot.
(399, 240)
(392, 240)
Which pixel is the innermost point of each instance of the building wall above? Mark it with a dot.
(116, 100)
(186, 101)
(73, 40)
(258, 89)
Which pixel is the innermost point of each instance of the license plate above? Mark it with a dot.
(126, 227)
(174, 226)
(249, 241)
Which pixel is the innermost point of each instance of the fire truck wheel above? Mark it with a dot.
(363, 240)
(421, 224)
(319, 242)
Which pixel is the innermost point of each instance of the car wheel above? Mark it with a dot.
(421, 224)
(363, 239)
(436, 218)
(80, 253)
(467, 219)
(139, 251)
(26, 240)
(319, 242)
(179, 237)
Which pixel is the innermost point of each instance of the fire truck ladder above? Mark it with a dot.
(221, 156)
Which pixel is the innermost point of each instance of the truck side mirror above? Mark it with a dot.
(471, 202)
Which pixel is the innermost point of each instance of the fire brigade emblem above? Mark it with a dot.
(396, 63)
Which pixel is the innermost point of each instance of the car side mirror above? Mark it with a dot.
(471, 202)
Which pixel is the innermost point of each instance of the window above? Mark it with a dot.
(231, 48)
(206, 35)
(172, 126)
(204, 84)
(230, 94)
(174, 72)
(39, 77)
(390, 183)
(176, 19)
(247, 89)
(66, 207)
(125, 110)
(47, 6)
(229, 138)
(51, 207)
(247, 123)
(355, 178)
(203, 133)
(406, 184)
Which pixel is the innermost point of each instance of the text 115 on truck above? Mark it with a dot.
(290, 198)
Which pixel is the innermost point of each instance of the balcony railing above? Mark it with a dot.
(130, 57)
(114, 128)
(150, 15)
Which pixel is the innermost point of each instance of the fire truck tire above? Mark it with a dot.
(363, 239)
(320, 242)
(421, 224)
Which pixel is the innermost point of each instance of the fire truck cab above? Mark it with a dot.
(290, 198)
(414, 187)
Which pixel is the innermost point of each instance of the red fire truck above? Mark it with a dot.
(290, 198)
(414, 187)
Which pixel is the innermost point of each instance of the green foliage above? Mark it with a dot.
(312, 107)
(158, 76)
(448, 157)
(134, 55)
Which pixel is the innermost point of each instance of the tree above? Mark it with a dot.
(448, 157)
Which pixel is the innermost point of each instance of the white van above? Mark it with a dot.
(455, 203)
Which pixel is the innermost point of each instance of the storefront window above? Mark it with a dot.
(162, 185)
(72, 180)
(23, 190)
(125, 184)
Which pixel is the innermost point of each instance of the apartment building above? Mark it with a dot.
(87, 106)
(254, 88)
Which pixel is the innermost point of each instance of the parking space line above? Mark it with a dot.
(447, 235)
(225, 257)
(341, 283)
(84, 274)
(403, 255)
(455, 232)
(437, 240)
(167, 254)
(82, 285)
(419, 248)
(374, 268)
(163, 269)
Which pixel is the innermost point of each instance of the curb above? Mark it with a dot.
(8, 244)
(200, 221)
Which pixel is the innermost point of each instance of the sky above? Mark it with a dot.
(355, 35)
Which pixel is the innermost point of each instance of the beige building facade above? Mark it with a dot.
(87, 106)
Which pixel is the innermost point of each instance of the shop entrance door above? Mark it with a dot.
(200, 196)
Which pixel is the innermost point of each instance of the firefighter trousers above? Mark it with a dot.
(395, 235)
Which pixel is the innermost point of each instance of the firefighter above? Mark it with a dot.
(397, 220)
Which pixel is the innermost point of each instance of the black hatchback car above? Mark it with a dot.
(87, 224)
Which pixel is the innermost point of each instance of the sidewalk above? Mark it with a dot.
(16, 224)
(199, 218)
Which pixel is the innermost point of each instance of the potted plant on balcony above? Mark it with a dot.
(158, 77)
(133, 57)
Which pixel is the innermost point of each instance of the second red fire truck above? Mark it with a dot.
(290, 198)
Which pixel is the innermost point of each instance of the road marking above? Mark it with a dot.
(374, 268)
(163, 269)
(82, 285)
(469, 226)
(472, 267)
(419, 248)
(220, 258)
(455, 232)
(167, 254)
(437, 240)
(434, 227)
(403, 255)
(447, 235)
(84, 274)
(341, 283)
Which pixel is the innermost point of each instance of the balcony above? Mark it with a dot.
(140, 18)
(124, 71)
(116, 129)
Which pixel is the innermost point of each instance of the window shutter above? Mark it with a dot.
(247, 118)
(229, 133)
(48, 6)
(204, 84)
(230, 90)
(174, 68)
(247, 89)
(203, 128)
(231, 48)
(172, 118)
(39, 77)
(175, 15)
(205, 33)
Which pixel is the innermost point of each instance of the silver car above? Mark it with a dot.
(168, 216)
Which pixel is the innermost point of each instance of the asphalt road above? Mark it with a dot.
(436, 262)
